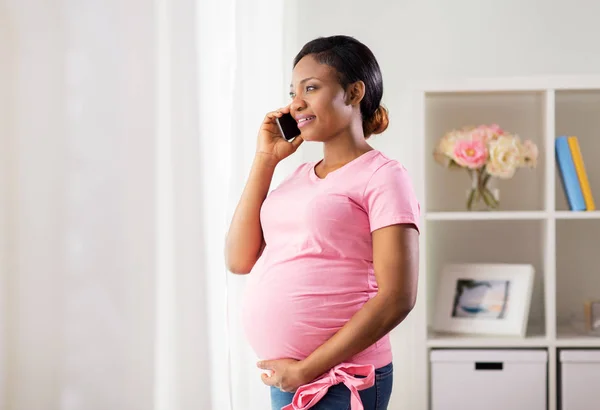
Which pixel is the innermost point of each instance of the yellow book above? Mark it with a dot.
(581, 174)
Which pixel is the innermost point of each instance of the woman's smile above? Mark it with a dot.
(304, 120)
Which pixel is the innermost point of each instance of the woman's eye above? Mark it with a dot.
(308, 88)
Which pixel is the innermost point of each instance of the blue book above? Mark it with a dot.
(568, 174)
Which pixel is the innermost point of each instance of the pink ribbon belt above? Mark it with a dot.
(309, 394)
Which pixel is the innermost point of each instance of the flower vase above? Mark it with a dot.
(483, 195)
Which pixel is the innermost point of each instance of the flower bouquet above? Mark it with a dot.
(485, 151)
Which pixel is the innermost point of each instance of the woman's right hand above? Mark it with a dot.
(270, 141)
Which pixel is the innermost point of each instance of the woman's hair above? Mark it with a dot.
(353, 62)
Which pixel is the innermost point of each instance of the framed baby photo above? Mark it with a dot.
(491, 299)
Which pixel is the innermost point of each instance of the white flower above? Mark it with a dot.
(504, 157)
(529, 154)
(444, 151)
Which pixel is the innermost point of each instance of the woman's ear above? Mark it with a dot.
(355, 93)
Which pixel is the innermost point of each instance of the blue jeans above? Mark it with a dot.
(376, 397)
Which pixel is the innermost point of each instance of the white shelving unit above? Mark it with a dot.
(533, 225)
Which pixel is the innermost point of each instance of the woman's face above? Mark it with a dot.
(318, 101)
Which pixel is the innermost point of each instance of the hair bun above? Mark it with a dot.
(377, 123)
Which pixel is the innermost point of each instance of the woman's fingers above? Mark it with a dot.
(270, 117)
(276, 114)
(297, 141)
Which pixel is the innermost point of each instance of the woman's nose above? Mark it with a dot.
(298, 104)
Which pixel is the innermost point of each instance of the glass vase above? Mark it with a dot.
(483, 195)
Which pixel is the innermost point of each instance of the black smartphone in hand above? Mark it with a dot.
(288, 127)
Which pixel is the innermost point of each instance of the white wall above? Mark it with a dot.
(432, 39)
(6, 93)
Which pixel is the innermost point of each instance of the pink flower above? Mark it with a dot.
(495, 128)
(486, 133)
(471, 154)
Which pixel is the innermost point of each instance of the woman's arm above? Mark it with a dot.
(245, 238)
(396, 263)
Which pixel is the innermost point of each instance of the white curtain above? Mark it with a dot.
(80, 274)
(128, 128)
(244, 73)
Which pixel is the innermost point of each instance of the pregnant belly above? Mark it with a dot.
(291, 309)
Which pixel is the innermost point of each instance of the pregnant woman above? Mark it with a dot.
(332, 252)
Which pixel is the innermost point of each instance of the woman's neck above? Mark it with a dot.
(342, 149)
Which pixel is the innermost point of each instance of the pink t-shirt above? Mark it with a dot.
(316, 270)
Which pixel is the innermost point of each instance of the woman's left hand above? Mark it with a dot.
(287, 374)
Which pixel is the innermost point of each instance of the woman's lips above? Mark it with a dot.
(305, 121)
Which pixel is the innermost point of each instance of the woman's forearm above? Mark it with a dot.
(245, 237)
(374, 320)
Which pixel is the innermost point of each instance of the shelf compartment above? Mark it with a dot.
(522, 113)
(577, 114)
(488, 241)
(577, 275)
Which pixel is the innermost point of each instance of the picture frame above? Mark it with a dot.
(484, 298)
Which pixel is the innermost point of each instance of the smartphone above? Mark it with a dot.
(288, 127)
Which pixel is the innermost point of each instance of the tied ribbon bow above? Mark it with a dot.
(309, 394)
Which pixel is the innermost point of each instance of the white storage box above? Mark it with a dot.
(580, 379)
(488, 379)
